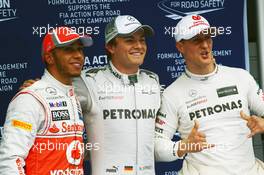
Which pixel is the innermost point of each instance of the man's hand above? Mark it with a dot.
(254, 123)
(195, 142)
(27, 83)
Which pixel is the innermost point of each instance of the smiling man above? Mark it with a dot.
(44, 125)
(120, 102)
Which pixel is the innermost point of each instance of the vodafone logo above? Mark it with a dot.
(196, 17)
(75, 152)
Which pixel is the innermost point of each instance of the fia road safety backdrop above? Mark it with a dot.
(23, 24)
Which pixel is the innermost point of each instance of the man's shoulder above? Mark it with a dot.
(93, 71)
(234, 71)
(150, 74)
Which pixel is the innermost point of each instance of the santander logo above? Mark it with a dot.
(54, 129)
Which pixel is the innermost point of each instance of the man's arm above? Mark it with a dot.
(85, 99)
(82, 93)
(20, 129)
(254, 123)
(166, 126)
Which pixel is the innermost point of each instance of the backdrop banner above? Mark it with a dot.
(23, 24)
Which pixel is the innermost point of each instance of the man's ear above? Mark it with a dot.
(48, 57)
(179, 46)
(109, 48)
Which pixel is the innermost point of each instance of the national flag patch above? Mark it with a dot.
(128, 169)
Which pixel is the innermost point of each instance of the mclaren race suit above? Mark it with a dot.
(119, 115)
(215, 100)
(43, 131)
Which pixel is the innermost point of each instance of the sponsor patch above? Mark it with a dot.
(143, 168)
(160, 114)
(54, 129)
(112, 170)
(22, 125)
(159, 121)
(58, 104)
(226, 91)
(128, 169)
(159, 130)
(19, 166)
(58, 115)
(51, 90)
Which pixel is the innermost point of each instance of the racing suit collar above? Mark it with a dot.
(127, 79)
(66, 89)
(201, 77)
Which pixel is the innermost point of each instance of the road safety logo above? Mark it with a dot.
(176, 9)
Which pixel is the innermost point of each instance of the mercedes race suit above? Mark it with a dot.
(43, 131)
(215, 100)
(119, 114)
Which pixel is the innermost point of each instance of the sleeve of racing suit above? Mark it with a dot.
(22, 122)
(83, 95)
(166, 125)
(255, 97)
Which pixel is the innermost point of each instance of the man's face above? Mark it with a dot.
(128, 53)
(197, 53)
(69, 60)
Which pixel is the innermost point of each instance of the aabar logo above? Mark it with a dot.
(176, 9)
(226, 91)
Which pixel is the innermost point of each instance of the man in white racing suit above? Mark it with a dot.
(204, 105)
(44, 124)
(120, 102)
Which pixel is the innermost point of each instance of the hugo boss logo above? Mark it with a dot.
(58, 115)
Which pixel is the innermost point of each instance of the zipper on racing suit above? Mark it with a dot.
(133, 80)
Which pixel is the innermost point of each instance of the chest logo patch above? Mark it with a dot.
(226, 91)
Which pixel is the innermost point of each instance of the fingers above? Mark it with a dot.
(196, 125)
(251, 134)
(244, 116)
(254, 130)
(27, 83)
